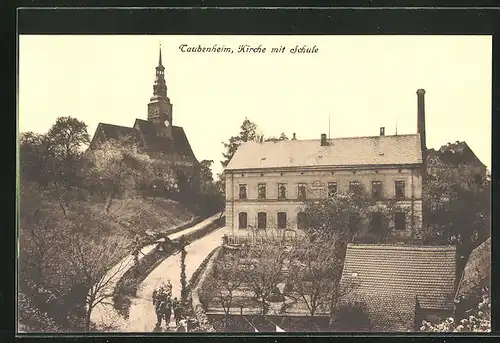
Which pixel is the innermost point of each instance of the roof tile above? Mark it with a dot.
(378, 150)
(425, 271)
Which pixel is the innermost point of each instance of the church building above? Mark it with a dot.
(156, 136)
(267, 183)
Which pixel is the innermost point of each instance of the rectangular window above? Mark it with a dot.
(281, 191)
(261, 220)
(353, 186)
(376, 189)
(376, 222)
(242, 220)
(281, 220)
(400, 221)
(262, 190)
(400, 189)
(302, 221)
(301, 191)
(332, 189)
(243, 191)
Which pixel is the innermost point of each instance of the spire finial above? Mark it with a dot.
(159, 61)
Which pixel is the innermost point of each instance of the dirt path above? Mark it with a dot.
(142, 314)
(104, 314)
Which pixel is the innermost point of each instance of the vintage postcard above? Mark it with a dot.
(253, 184)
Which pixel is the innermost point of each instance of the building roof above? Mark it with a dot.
(116, 132)
(180, 144)
(477, 269)
(455, 154)
(352, 151)
(144, 133)
(387, 313)
(395, 270)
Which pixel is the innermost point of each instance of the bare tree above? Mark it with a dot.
(224, 279)
(264, 271)
(97, 262)
(314, 271)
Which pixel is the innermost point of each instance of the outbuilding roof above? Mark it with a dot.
(427, 272)
(352, 151)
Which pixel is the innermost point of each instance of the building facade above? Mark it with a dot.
(156, 136)
(268, 182)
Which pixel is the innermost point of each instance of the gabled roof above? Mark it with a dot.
(455, 154)
(353, 151)
(427, 272)
(144, 134)
(477, 270)
(179, 145)
(387, 313)
(116, 132)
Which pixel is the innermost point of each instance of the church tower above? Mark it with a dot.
(160, 107)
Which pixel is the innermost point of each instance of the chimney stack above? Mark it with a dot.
(323, 139)
(294, 137)
(382, 131)
(421, 118)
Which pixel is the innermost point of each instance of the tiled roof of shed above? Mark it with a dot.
(352, 151)
(392, 270)
(387, 313)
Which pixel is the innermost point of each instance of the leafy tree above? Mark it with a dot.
(206, 171)
(248, 132)
(457, 207)
(67, 137)
(282, 137)
(345, 217)
(35, 160)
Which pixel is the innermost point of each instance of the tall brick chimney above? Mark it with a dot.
(421, 119)
(323, 139)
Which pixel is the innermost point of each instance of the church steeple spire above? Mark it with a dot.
(160, 107)
(159, 61)
(160, 86)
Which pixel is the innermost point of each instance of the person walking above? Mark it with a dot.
(176, 306)
(161, 311)
(168, 313)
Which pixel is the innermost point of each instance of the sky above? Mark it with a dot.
(351, 86)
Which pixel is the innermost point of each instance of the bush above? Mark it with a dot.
(478, 321)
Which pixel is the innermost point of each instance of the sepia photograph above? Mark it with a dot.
(254, 184)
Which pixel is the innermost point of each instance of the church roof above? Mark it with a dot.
(427, 272)
(352, 151)
(111, 131)
(157, 143)
(144, 134)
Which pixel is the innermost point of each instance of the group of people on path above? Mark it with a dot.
(164, 305)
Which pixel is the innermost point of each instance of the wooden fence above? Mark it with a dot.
(252, 237)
